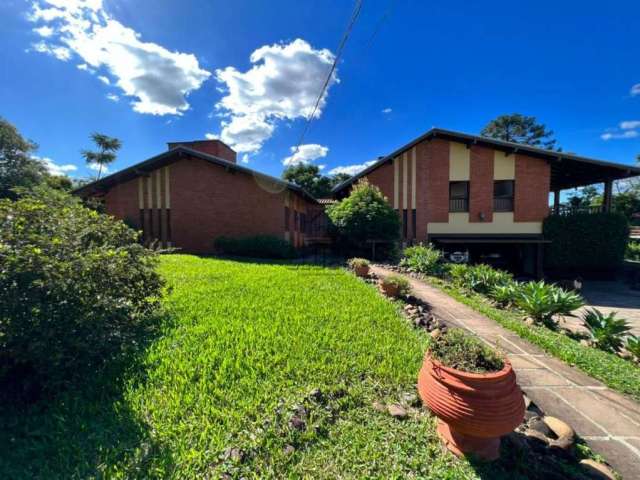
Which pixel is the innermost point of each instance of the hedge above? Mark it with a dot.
(587, 241)
(258, 246)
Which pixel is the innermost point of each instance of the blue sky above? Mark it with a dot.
(153, 71)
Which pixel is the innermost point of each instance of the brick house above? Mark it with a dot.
(195, 192)
(479, 196)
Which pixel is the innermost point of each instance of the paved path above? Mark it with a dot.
(613, 297)
(608, 421)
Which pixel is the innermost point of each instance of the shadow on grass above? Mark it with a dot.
(88, 430)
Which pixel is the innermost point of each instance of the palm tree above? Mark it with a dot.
(106, 154)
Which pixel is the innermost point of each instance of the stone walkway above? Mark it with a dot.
(608, 421)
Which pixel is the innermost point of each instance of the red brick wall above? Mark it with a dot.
(531, 202)
(382, 177)
(481, 184)
(212, 147)
(122, 202)
(432, 189)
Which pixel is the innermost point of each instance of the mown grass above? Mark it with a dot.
(244, 347)
(613, 371)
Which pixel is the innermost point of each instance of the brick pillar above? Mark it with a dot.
(481, 184)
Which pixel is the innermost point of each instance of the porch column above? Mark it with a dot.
(606, 204)
(556, 201)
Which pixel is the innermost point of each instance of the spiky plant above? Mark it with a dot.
(607, 331)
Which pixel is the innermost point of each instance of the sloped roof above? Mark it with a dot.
(168, 157)
(567, 170)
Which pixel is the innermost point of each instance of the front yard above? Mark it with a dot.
(261, 370)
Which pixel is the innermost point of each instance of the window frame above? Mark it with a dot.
(504, 202)
(459, 203)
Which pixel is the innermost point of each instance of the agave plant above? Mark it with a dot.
(607, 331)
(633, 346)
(542, 301)
(505, 295)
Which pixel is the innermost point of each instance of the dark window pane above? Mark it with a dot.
(458, 196)
(503, 188)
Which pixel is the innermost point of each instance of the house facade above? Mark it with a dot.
(195, 192)
(478, 197)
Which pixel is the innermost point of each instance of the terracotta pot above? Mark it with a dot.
(361, 270)
(389, 290)
(474, 409)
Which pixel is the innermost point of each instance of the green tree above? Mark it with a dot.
(18, 168)
(106, 153)
(309, 178)
(364, 215)
(520, 128)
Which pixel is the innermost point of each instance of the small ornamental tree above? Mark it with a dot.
(365, 215)
(76, 290)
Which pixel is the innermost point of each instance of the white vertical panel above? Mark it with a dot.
(396, 182)
(405, 180)
(413, 177)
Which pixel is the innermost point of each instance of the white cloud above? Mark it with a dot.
(635, 90)
(96, 167)
(44, 31)
(113, 97)
(305, 154)
(630, 124)
(245, 158)
(159, 80)
(104, 79)
(55, 169)
(283, 84)
(387, 110)
(621, 135)
(351, 169)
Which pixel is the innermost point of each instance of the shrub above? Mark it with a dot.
(586, 241)
(464, 352)
(423, 259)
(75, 288)
(505, 295)
(633, 346)
(607, 331)
(541, 301)
(479, 278)
(258, 246)
(633, 251)
(398, 281)
(363, 216)
(358, 262)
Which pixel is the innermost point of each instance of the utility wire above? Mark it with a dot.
(345, 36)
(378, 26)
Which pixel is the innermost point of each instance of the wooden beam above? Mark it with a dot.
(608, 188)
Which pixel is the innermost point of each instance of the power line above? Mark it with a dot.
(378, 26)
(343, 42)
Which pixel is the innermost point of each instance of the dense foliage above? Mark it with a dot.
(479, 278)
(607, 331)
(75, 288)
(426, 260)
(542, 301)
(18, 168)
(363, 216)
(257, 246)
(633, 251)
(459, 350)
(358, 262)
(520, 128)
(308, 176)
(633, 346)
(585, 241)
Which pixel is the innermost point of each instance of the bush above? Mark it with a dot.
(258, 246)
(358, 262)
(425, 260)
(478, 278)
(585, 241)
(75, 288)
(464, 352)
(633, 346)
(398, 281)
(607, 331)
(363, 216)
(541, 301)
(633, 251)
(505, 295)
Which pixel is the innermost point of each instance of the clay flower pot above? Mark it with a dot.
(474, 409)
(361, 270)
(389, 289)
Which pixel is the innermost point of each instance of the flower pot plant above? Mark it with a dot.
(360, 266)
(394, 286)
(473, 392)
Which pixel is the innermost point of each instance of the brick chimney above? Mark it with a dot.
(212, 147)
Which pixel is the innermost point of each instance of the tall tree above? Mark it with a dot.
(18, 168)
(308, 177)
(520, 128)
(106, 153)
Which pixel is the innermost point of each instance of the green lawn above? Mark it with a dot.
(244, 348)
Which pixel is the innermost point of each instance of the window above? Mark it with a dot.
(503, 195)
(286, 219)
(404, 223)
(458, 196)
